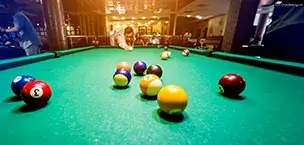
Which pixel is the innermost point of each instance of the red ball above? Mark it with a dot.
(232, 85)
(186, 52)
(36, 93)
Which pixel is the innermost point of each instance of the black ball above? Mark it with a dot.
(155, 69)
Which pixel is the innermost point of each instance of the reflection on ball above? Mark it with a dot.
(172, 99)
(150, 85)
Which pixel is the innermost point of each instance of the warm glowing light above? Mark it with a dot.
(199, 17)
(68, 28)
(149, 23)
(132, 21)
(114, 17)
(159, 23)
(123, 18)
(38, 24)
(188, 16)
(152, 21)
(133, 18)
(139, 24)
(154, 17)
(167, 22)
(143, 18)
(128, 23)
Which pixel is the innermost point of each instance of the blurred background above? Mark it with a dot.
(266, 28)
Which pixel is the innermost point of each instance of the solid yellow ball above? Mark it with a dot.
(172, 99)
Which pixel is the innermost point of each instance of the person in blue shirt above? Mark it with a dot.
(27, 35)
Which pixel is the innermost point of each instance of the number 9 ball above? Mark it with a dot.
(36, 93)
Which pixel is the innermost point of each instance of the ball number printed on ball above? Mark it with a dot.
(17, 79)
(36, 92)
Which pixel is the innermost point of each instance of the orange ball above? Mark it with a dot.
(124, 65)
(172, 99)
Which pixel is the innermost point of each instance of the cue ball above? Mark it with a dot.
(231, 85)
(19, 82)
(124, 65)
(155, 69)
(36, 93)
(150, 85)
(139, 68)
(172, 99)
(122, 78)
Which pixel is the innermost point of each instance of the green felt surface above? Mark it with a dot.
(10, 63)
(86, 109)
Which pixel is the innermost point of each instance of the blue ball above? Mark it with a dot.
(19, 82)
(122, 78)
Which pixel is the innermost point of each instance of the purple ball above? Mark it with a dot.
(140, 67)
(122, 78)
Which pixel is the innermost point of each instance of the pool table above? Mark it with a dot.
(86, 109)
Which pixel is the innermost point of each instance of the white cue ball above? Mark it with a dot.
(130, 48)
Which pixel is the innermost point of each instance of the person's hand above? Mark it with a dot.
(8, 43)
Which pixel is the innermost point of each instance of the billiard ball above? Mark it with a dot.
(131, 48)
(150, 85)
(122, 78)
(19, 82)
(139, 68)
(172, 99)
(166, 47)
(231, 85)
(124, 65)
(36, 93)
(164, 55)
(156, 70)
(186, 52)
(168, 52)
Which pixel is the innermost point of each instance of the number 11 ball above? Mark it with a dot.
(19, 82)
(231, 85)
(36, 93)
(122, 78)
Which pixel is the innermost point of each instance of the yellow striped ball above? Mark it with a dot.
(150, 85)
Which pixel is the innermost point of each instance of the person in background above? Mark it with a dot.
(200, 44)
(125, 39)
(138, 39)
(145, 41)
(154, 40)
(28, 37)
(187, 36)
(111, 34)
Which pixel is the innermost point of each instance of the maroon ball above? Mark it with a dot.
(232, 85)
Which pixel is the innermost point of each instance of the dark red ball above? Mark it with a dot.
(36, 93)
(232, 85)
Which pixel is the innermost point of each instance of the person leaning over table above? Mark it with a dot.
(28, 37)
(125, 39)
